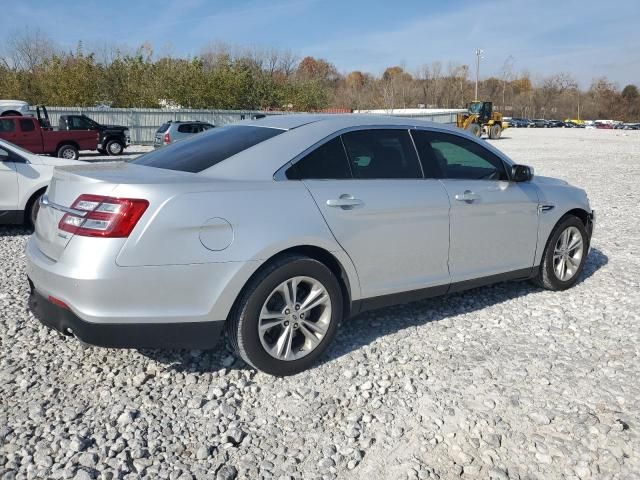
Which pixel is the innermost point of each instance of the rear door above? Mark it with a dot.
(494, 222)
(393, 223)
(29, 136)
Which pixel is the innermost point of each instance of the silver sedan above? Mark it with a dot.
(274, 230)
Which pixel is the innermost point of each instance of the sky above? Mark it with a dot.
(587, 38)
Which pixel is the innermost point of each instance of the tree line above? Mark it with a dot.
(34, 69)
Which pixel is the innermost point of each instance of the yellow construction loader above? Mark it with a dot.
(480, 118)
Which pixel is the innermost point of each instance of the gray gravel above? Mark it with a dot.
(499, 382)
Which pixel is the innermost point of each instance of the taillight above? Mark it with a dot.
(100, 216)
(167, 138)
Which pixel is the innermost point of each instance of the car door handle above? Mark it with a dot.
(467, 196)
(346, 202)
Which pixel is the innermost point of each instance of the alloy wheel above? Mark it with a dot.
(567, 254)
(295, 318)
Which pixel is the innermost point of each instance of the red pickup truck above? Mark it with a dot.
(28, 133)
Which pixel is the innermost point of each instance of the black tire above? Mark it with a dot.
(242, 325)
(475, 129)
(32, 210)
(68, 151)
(114, 147)
(546, 276)
(495, 131)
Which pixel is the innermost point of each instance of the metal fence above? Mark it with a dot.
(143, 122)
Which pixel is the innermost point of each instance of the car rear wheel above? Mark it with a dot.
(564, 255)
(287, 316)
(34, 208)
(114, 147)
(69, 152)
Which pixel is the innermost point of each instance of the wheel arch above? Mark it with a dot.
(11, 113)
(32, 198)
(67, 142)
(317, 253)
(581, 213)
(578, 212)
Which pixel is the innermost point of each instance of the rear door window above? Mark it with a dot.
(199, 152)
(382, 153)
(7, 126)
(27, 125)
(186, 128)
(327, 162)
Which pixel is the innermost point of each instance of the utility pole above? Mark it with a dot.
(479, 53)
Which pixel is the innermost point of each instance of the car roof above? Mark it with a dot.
(13, 102)
(187, 121)
(304, 131)
(291, 121)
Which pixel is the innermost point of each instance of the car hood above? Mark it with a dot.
(549, 181)
(114, 127)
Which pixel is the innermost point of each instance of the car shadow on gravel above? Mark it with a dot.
(392, 319)
(357, 332)
(14, 230)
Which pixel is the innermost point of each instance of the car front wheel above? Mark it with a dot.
(564, 255)
(287, 316)
(114, 147)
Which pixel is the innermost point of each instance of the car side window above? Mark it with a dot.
(327, 162)
(381, 153)
(185, 128)
(27, 125)
(450, 156)
(7, 126)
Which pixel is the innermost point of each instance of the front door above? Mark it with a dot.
(494, 222)
(8, 184)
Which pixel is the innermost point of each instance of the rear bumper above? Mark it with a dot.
(200, 335)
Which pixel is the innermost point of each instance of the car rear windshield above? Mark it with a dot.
(200, 152)
(163, 128)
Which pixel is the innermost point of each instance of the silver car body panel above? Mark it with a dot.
(205, 234)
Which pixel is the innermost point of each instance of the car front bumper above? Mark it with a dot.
(199, 335)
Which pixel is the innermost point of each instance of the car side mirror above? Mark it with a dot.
(521, 173)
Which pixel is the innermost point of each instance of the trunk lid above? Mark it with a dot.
(68, 183)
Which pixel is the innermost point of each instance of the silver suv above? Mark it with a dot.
(171, 131)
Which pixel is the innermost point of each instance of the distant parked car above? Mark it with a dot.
(539, 123)
(23, 179)
(171, 132)
(555, 123)
(36, 136)
(113, 139)
(14, 107)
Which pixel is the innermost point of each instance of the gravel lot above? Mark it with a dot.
(507, 381)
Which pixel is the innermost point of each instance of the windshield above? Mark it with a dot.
(199, 152)
(475, 107)
(90, 122)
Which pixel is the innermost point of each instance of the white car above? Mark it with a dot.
(23, 179)
(14, 107)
